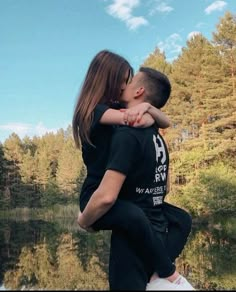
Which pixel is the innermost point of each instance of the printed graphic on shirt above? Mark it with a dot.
(160, 149)
(161, 168)
(158, 190)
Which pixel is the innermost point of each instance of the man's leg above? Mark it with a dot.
(127, 270)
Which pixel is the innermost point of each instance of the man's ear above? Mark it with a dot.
(140, 91)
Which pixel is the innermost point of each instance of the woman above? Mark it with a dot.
(96, 113)
(94, 118)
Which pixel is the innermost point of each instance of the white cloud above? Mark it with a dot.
(23, 130)
(135, 22)
(40, 129)
(193, 34)
(123, 10)
(160, 7)
(19, 128)
(171, 45)
(217, 5)
(200, 24)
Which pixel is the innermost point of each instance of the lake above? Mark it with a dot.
(42, 255)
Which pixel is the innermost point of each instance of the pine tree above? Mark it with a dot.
(157, 60)
(202, 110)
(13, 153)
(27, 168)
(5, 195)
(186, 106)
(222, 130)
(43, 170)
(1, 168)
(225, 39)
(69, 167)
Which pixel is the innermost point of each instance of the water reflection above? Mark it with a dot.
(44, 255)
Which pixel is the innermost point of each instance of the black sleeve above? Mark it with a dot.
(98, 113)
(124, 151)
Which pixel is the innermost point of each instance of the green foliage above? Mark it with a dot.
(39, 172)
(2, 162)
(69, 167)
(220, 184)
(212, 191)
(13, 148)
(225, 39)
(28, 168)
(203, 113)
(157, 60)
(51, 195)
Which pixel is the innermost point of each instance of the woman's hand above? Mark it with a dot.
(146, 121)
(134, 114)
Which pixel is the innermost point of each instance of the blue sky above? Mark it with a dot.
(46, 47)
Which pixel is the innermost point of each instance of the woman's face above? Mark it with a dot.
(133, 88)
(126, 81)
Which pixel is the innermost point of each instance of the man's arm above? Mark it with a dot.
(102, 199)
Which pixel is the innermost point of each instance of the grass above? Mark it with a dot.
(47, 214)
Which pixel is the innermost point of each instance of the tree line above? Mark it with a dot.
(42, 171)
(202, 108)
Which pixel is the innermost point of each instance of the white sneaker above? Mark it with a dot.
(162, 284)
(183, 283)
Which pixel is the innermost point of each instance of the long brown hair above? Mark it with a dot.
(102, 84)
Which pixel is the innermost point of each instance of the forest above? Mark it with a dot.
(41, 172)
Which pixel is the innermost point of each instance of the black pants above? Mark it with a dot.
(134, 242)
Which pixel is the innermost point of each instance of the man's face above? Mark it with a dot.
(129, 92)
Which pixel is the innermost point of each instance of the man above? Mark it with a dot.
(137, 171)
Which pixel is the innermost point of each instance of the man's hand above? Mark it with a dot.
(82, 225)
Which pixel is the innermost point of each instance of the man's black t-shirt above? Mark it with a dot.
(142, 155)
(95, 157)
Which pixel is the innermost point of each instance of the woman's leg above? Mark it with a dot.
(180, 223)
(128, 218)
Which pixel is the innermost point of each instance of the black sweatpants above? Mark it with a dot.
(133, 236)
(128, 270)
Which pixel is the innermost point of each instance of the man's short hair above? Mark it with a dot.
(157, 86)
